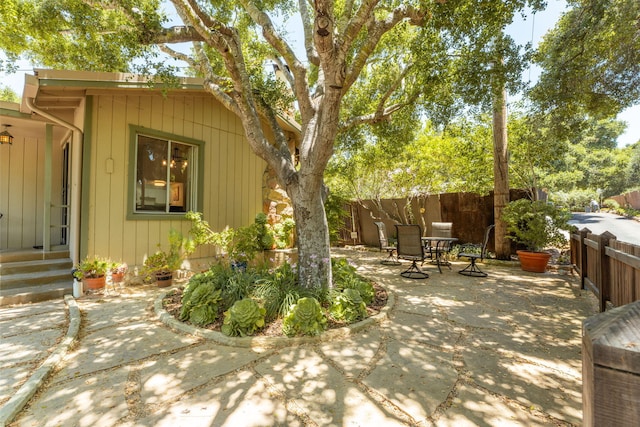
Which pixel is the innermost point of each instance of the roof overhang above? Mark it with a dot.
(62, 92)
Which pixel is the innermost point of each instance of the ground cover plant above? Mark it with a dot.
(262, 300)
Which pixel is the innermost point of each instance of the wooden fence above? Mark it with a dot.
(469, 213)
(607, 267)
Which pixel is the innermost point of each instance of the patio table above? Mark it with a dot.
(440, 244)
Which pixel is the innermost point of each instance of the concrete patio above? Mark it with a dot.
(450, 351)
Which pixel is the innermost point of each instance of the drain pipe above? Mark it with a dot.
(76, 175)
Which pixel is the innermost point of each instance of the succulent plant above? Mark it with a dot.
(304, 318)
(348, 306)
(243, 318)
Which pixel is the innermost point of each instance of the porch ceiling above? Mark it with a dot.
(26, 127)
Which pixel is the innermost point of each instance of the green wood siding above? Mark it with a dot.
(232, 174)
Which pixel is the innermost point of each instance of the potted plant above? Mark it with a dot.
(157, 266)
(118, 270)
(243, 245)
(92, 272)
(162, 264)
(536, 225)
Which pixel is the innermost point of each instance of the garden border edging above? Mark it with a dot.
(269, 342)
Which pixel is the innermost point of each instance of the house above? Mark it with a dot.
(108, 163)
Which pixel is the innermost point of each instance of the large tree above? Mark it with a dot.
(400, 55)
(590, 62)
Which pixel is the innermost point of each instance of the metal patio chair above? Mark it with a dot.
(472, 269)
(383, 241)
(438, 229)
(410, 248)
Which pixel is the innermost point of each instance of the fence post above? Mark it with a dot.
(603, 276)
(583, 256)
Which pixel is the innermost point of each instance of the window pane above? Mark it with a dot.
(151, 175)
(180, 175)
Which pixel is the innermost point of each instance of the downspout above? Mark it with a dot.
(76, 176)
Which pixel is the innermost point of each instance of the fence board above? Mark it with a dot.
(611, 272)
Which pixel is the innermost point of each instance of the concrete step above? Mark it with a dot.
(37, 278)
(31, 255)
(38, 293)
(22, 267)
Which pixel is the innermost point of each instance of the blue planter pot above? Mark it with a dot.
(239, 265)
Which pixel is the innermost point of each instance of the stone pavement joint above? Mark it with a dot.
(447, 351)
(11, 408)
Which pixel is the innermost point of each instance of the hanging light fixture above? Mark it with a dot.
(5, 136)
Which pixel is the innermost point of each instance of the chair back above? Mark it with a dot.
(441, 229)
(382, 234)
(487, 233)
(410, 241)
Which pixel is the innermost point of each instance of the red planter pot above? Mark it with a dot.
(93, 283)
(535, 262)
(117, 277)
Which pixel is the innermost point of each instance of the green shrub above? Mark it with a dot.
(348, 306)
(243, 318)
(264, 233)
(283, 233)
(277, 290)
(346, 277)
(574, 200)
(536, 224)
(237, 286)
(304, 318)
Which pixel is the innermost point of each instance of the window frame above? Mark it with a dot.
(197, 176)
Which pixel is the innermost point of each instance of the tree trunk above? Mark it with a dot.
(314, 254)
(500, 173)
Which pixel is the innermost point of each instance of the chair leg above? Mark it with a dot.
(472, 270)
(392, 259)
(414, 272)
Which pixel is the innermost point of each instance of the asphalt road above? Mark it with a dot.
(625, 229)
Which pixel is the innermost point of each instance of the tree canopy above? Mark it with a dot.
(590, 62)
(363, 62)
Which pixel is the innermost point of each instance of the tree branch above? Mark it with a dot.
(299, 83)
(307, 28)
(377, 29)
(177, 34)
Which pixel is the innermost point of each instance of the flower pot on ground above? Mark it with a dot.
(92, 271)
(164, 279)
(162, 264)
(536, 225)
(94, 283)
(535, 262)
(157, 266)
(118, 271)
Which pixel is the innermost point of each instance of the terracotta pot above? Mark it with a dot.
(164, 279)
(93, 283)
(535, 262)
(117, 277)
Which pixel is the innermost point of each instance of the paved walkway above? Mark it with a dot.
(452, 351)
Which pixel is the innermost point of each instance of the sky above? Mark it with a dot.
(530, 29)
